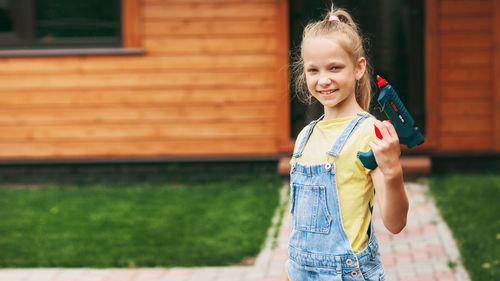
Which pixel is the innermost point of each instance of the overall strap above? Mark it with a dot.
(306, 137)
(339, 144)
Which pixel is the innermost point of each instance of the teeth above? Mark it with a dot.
(327, 92)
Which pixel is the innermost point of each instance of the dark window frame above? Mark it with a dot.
(23, 42)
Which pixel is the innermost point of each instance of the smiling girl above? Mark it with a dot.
(332, 194)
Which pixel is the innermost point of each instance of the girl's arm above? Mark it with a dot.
(388, 178)
(284, 277)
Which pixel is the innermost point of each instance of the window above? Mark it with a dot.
(46, 24)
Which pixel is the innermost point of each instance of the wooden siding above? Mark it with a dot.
(211, 82)
(461, 90)
(496, 74)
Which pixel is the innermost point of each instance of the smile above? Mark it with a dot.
(327, 92)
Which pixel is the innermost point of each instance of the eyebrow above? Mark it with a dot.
(327, 64)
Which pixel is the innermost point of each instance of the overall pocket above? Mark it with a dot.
(309, 209)
(373, 269)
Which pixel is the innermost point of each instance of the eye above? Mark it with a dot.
(312, 70)
(335, 67)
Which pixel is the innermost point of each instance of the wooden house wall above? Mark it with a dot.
(463, 94)
(212, 81)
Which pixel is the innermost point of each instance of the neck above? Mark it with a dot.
(346, 108)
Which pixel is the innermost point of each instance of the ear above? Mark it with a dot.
(360, 68)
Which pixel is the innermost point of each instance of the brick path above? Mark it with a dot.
(420, 252)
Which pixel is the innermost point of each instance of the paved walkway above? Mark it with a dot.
(420, 252)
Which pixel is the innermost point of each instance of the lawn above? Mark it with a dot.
(470, 206)
(192, 223)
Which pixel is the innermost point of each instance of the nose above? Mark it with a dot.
(324, 80)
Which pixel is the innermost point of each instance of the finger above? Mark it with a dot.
(376, 144)
(377, 141)
(390, 129)
(373, 146)
(383, 129)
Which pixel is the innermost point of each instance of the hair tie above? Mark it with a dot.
(334, 18)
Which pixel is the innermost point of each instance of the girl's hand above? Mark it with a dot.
(388, 178)
(386, 150)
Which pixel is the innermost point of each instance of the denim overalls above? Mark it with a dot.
(319, 248)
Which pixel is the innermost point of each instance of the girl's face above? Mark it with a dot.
(331, 75)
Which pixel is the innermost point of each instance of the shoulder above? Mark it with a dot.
(366, 127)
(302, 134)
(365, 132)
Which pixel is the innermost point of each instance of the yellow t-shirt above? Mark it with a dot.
(354, 184)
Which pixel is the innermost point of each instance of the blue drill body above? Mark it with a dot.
(401, 120)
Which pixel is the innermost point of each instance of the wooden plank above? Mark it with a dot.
(466, 125)
(459, 8)
(138, 132)
(193, 147)
(465, 24)
(464, 40)
(282, 78)
(466, 108)
(496, 73)
(44, 65)
(465, 91)
(162, 97)
(465, 142)
(142, 79)
(131, 114)
(467, 74)
(432, 90)
(466, 57)
(209, 27)
(212, 45)
(215, 62)
(241, 10)
(131, 24)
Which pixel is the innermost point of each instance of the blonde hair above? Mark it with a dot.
(347, 35)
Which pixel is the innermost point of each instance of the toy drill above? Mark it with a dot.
(400, 119)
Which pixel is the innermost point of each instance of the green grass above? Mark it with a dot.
(195, 223)
(470, 204)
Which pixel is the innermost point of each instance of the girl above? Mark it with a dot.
(332, 194)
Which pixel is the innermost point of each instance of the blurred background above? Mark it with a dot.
(159, 96)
